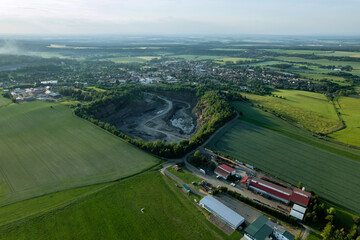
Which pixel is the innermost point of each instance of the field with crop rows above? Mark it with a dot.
(44, 148)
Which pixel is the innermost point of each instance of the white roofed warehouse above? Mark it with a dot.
(222, 212)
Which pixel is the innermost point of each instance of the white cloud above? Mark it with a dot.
(182, 16)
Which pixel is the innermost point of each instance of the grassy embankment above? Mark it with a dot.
(114, 213)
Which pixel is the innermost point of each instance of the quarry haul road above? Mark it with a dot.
(166, 111)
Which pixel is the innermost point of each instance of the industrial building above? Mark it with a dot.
(224, 171)
(222, 212)
(264, 229)
(280, 193)
(298, 212)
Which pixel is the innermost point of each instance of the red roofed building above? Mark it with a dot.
(300, 197)
(270, 189)
(285, 195)
(224, 171)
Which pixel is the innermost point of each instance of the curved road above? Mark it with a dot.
(166, 111)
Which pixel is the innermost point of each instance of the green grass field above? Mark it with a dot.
(309, 110)
(46, 149)
(317, 52)
(326, 62)
(185, 175)
(114, 213)
(96, 89)
(350, 112)
(293, 160)
(232, 59)
(313, 236)
(195, 57)
(39, 205)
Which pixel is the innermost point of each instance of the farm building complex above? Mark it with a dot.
(264, 229)
(280, 193)
(225, 214)
(224, 171)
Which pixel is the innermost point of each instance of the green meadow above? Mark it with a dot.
(115, 213)
(349, 109)
(45, 148)
(311, 111)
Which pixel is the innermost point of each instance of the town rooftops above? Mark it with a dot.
(226, 168)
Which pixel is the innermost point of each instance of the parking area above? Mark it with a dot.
(245, 211)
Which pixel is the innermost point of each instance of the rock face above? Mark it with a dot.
(153, 118)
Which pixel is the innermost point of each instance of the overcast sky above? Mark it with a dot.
(285, 17)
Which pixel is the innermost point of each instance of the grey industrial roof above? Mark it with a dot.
(299, 208)
(296, 214)
(223, 212)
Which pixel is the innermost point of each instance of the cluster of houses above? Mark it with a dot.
(30, 94)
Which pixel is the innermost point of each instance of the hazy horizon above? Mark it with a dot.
(159, 17)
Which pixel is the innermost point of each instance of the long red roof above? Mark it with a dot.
(226, 168)
(271, 188)
(222, 172)
(296, 195)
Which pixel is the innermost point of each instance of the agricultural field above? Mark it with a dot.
(114, 213)
(293, 160)
(326, 62)
(196, 57)
(317, 52)
(44, 149)
(125, 60)
(232, 59)
(322, 76)
(349, 109)
(309, 110)
(39, 205)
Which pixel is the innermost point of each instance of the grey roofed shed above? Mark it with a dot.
(222, 212)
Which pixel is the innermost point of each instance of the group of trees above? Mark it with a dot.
(331, 233)
(320, 216)
(199, 160)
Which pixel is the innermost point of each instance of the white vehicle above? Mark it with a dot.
(232, 184)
